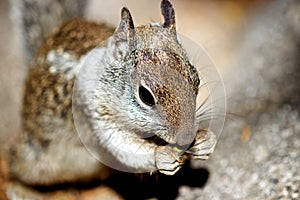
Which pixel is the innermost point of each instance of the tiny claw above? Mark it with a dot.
(204, 146)
(177, 157)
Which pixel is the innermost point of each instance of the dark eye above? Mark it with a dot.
(146, 96)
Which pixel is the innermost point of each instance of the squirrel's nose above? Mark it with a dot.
(185, 137)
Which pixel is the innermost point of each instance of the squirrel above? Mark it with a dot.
(126, 88)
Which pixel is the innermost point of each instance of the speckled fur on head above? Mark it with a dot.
(161, 64)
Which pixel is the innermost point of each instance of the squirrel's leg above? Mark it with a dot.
(140, 154)
(40, 163)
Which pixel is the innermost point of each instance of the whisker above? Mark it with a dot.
(210, 110)
(202, 85)
(203, 108)
(210, 117)
(204, 67)
(204, 101)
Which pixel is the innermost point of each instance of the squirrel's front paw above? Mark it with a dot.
(168, 160)
(205, 143)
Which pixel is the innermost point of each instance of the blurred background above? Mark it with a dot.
(255, 46)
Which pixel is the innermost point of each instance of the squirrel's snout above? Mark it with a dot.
(185, 137)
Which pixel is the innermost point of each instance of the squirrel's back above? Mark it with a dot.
(54, 46)
(48, 131)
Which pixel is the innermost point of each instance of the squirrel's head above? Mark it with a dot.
(163, 82)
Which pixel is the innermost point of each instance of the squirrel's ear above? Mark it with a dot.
(126, 26)
(168, 12)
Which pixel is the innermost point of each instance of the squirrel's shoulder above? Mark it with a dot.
(53, 70)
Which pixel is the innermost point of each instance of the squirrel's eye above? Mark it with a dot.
(146, 96)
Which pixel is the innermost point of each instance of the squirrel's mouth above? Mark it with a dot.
(161, 142)
(153, 138)
(157, 140)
